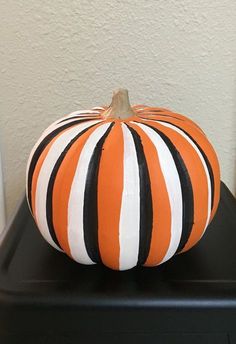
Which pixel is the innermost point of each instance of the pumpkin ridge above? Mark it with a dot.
(199, 180)
(90, 211)
(49, 207)
(39, 150)
(146, 210)
(186, 187)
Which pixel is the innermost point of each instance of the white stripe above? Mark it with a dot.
(173, 186)
(82, 112)
(76, 199)
(46, 132)
(44, 175)
(203, 163)
(129, 226)
(98, 108)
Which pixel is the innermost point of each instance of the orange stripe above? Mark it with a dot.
(62, 188)
(161, 230)
(110, 187)
(198, 179)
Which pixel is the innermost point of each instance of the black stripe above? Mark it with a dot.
(49, 208)
(43, 144)
(90, 211)
(186, 188)
(146, 211)
(209, 168)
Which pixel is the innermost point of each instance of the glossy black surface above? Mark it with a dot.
(192, 293)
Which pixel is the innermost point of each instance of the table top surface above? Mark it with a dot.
(32, 271)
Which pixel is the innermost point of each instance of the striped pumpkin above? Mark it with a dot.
(123, 185)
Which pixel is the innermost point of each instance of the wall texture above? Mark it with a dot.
(58, 56)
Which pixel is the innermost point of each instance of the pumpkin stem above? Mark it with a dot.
(120, 106)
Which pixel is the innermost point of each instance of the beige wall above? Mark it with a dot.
(59, 56)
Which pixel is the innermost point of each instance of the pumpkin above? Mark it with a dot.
(122, 185)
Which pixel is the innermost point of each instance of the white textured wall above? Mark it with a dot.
(58, 56)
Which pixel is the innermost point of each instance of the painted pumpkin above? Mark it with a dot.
(123, 185)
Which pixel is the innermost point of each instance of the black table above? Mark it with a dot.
(47, 298)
